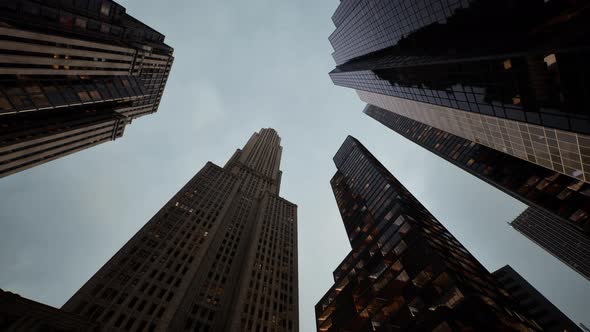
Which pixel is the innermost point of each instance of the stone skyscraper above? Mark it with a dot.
(73, 74)
(405, 272)
(221, 255)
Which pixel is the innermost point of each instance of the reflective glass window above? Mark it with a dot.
(81, 22)
(54, 95)
(93, 92)
(37, 95)
(69, 95)
(5, 105)
(82, 94)
(18, 98)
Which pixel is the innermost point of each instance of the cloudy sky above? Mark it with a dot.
(241, 66)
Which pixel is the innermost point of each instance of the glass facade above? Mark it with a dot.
(534, 303)
(522, 61)
(566, 198)
(43, 94)
(565, 152)
(405, 270)
(559, 239)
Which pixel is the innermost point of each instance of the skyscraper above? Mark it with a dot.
(221, 255)
(20, 314)
(73, 75)
(495, 87)
(561, 241)
(565, 201)
(405, 272)
(533, 303)
(505, 74)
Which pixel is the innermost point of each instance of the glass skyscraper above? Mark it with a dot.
(564, 202)
(510, 75)
(73, 74)
(405, 271)
(498, 88)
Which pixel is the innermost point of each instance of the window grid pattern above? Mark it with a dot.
(136, 287)
(367, 26)
(23, 145)
(559, 239)
(188, 267)
(532, 302)
(562, 196)
(406, 261)
(77, 56)
(564, 152)
(270, 303)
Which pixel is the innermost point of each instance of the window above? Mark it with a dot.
(80, 22)
(5, 105)
(18, 98)
(37, 96)
(550, 59)
(93, 25)
(66, 20)
(105, 8)
(105, 28)
(82, 94)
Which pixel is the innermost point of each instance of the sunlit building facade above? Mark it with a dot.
(73, 74)
(221, 255)
(509, 75)
(405, 272)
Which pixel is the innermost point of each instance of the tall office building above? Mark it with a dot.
(506, 74)
(562, 241)
(495, 87)
(533, 303)
(562, 201)
(405, 272)
(20, 314)
(221, 255)
(73, 74)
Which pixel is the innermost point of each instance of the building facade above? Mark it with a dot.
(405, 272)
(221, 255)
(534, 303)
(564, 201)
(561, 241)
(20, 314)
(505, 74)
(63, 65)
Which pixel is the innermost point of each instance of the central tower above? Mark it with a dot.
(221, 255)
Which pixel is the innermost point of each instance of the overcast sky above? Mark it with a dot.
(241, 66)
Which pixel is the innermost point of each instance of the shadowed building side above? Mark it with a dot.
(534, 303)
(405, 272)
(508, 75)
(20, 314)
(63, 60)
(221, 255)
(563, 202)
